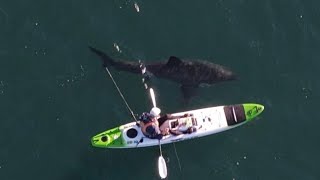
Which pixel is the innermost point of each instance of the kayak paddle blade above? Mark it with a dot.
(162, 167)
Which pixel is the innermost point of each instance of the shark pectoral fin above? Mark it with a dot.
(189, 91)
(173, 61)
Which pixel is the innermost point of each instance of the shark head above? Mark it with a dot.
(218, 73)
(192, 72)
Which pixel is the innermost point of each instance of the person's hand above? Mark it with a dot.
(159, 136)
(165, 131)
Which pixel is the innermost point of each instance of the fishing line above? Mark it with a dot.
(175, 150)
(115, 84)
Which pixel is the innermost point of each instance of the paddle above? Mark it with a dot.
(153, 98)
(162, 167)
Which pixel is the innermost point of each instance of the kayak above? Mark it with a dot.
(206, 121)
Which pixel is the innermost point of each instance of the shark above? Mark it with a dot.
(190, 74)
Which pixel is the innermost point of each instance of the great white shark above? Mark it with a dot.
(189, 73)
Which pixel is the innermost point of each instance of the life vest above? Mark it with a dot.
(151, 130)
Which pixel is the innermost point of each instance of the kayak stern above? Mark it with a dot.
(107, 139)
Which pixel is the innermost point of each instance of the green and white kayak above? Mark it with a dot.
(207, 121)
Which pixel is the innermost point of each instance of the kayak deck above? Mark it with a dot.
(206, 121)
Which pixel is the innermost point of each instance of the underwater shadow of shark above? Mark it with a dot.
(189, 73)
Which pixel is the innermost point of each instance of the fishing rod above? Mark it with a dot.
(145, 76)
(115, 84)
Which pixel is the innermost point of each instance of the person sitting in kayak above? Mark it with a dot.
(150, 126)
(180, 126)
(177, 127)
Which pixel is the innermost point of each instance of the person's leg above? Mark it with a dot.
(162, 119)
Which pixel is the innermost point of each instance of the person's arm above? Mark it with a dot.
(165, 132)
(176, 117)
(175, 132)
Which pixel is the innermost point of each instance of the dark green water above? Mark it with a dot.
(54, 94)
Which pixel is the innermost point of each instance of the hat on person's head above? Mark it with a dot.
(155, 111)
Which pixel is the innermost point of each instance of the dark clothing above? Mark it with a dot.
(153, 132)
(165, 117)
(146, 117)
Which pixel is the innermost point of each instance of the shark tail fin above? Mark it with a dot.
(107, 61)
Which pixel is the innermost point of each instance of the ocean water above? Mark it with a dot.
(55, 95)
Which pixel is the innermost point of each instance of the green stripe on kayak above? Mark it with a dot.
(252, 110)
(110, 138)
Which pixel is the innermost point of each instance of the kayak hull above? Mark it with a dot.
(208, 121)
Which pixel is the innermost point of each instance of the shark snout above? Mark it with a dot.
(226, 74)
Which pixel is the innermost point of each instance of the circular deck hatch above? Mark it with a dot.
(104, 138)
(132, 133)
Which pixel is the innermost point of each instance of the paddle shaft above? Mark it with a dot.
(153, 98)
(160, 148)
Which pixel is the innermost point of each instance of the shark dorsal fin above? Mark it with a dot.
(173, 61)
